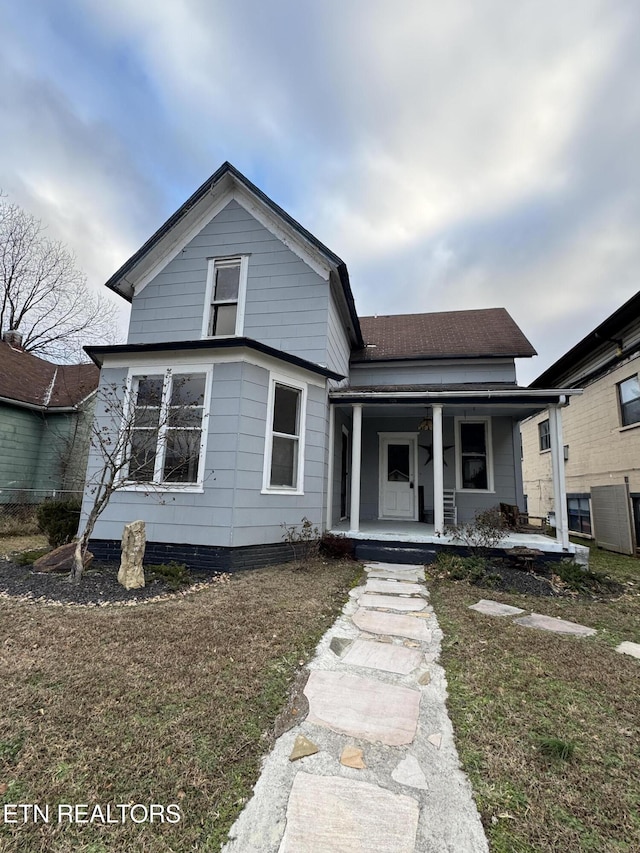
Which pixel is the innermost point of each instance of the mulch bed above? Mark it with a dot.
(98, 587)
(518, 580)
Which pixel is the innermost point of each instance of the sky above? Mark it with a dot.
(455, 155)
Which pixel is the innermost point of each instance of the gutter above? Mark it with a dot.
(34, 407)
(520, 395)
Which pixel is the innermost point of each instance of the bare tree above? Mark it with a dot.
(43, 294)
(147, 433)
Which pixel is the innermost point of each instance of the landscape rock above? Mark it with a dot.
(131, 573)
(60, 560)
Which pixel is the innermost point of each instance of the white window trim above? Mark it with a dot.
(489, 441)
(242, 295)
(158, 369)
(267, 489)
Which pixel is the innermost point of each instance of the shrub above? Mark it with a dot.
(459, 568)
(173, 574)
(304, 540)
(59, 520)
(337, 547)
(487, 530)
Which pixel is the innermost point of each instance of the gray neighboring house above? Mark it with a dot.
(46, 412)
(245, 326)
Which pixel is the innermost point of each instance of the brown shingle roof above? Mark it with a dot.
(25, 378)
(485, 332)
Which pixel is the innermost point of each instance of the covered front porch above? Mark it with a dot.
(405, 466)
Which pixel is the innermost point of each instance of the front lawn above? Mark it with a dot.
(548, 726)
(164, 703)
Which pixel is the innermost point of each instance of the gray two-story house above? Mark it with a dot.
(260, 397)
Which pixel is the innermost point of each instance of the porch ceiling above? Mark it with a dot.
(404, 410)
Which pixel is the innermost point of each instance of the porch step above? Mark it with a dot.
(393, 552)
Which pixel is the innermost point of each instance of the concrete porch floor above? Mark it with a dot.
(415, 532)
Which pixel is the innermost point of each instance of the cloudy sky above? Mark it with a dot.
(456, 155)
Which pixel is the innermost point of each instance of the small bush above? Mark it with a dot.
(459, 568)
(28, 558)
(337, 547)
(578, 578)
(304, 541)
(486, 531)
(173, 574)
(59, 520)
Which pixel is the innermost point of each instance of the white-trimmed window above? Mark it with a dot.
(544, 435)
(284, 444)
(225, 297)
(474, 463)
(629, 395)
(166, 428)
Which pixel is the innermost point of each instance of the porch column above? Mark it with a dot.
(438, 469)
(332, 432)
(557, 466)
(356, 448)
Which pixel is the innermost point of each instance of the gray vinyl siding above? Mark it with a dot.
(433, 373)
(231, 510)
(338, 345)
(286, 301)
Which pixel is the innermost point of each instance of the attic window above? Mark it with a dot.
(226, 287)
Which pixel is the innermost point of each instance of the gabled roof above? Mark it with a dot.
(171, 236)
(599, 350)
(479, 333)
(33, 382)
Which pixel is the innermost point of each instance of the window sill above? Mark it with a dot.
(546, 450)
(628, 427)
(156, 488)
(461, 490)
(281, 492)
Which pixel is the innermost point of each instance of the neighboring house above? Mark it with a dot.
(601, 434)
(245, 347)
(46, 412)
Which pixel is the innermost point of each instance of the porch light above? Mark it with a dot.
(426, 425)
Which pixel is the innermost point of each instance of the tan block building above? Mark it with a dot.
(600, 433)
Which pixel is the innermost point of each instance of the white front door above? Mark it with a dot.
(398, 489)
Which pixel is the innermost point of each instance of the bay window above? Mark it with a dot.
(166, 426)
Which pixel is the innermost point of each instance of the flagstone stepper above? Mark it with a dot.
(393, 602)
(397, 624)
(495, 608)
(393, 587)
(552, 623)
(362, 707)
(383, 656)
(328, 813)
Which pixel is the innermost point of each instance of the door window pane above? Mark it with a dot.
(398, 463)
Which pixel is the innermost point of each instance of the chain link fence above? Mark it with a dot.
(18, 508)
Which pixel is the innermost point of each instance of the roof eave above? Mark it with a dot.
(96, 354)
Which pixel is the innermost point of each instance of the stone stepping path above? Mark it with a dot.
(362, 707)
(384, 656)
(373, 766)
(398, 625)
(327, 814)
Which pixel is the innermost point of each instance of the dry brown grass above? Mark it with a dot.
(163, 703)
(514, 691)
